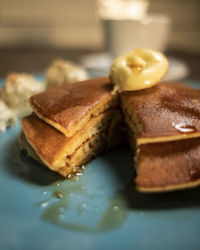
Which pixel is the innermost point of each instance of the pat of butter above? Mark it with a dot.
(138, 69)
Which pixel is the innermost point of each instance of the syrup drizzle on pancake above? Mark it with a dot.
(185, 128)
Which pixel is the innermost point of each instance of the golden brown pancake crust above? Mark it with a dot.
(168, 166)
(65, 106)
(168, 111)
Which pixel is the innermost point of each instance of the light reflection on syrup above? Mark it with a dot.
(185, 128)
(58, 194)
(75, 176)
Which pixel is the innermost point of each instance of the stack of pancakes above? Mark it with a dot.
(72, 124)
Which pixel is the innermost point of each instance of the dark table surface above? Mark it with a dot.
(37, 60)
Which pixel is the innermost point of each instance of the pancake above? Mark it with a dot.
(68, 108)
(73, 124)
(168, 166)
(65, 154)
(165, 112)
(72, 164)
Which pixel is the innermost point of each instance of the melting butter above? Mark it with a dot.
(138, 69)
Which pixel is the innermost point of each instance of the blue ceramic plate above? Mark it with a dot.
(101, 210)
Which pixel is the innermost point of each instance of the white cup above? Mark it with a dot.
(123, 35)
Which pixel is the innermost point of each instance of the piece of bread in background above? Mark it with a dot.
(17, 90)
(7, 117)
(62, 72)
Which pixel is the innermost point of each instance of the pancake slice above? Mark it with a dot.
(166, 112)
(168, 166)
(69, 108)
(65, 154)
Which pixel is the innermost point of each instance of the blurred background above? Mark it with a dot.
(33, 33)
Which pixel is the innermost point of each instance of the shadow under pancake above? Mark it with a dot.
(121, 161)
(176, 199)
(19, 165)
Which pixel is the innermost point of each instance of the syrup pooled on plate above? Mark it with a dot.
(67, 202)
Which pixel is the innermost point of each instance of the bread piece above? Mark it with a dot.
(64, 72)
(17, 90)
